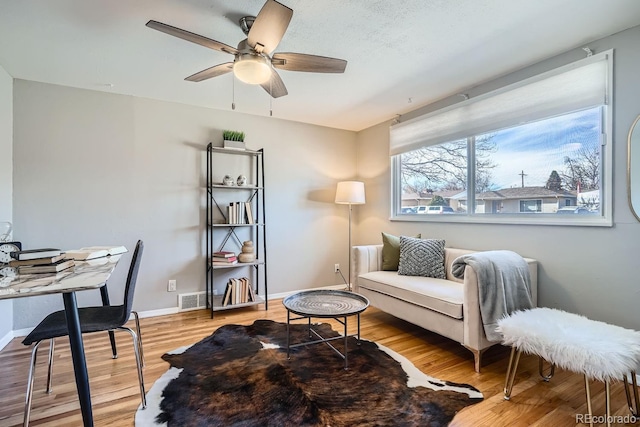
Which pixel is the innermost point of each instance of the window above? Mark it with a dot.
(528, 206)
(522, 154)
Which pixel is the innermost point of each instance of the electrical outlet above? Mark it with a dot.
(171, 287)
(336, 268)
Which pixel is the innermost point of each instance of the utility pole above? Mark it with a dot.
(522, 175)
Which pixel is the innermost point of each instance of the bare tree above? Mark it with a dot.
(583, 169)
(444, 166)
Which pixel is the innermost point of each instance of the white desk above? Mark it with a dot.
(84, 276)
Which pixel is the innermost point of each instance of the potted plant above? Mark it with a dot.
(233, 139)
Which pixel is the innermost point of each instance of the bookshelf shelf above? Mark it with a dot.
(247, 212)
(217, 303)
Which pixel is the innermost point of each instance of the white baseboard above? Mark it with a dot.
(6, 339)
(154, 313)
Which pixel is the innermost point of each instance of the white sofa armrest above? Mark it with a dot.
(365, 258)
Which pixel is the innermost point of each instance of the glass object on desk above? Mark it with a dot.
(5, 231)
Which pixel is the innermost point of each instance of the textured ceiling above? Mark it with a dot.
(398, 50)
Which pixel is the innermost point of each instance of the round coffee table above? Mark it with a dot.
(337, 305)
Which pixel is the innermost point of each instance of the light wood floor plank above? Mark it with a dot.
(114, 386)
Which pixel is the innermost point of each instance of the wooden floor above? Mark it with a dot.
(114, 385)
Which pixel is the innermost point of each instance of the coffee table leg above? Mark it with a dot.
(358, 328)
(309, 326)
(288, 339)
(346, 351)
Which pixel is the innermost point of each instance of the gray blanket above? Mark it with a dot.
(504, 285)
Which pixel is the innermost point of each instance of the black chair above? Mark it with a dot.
(92, 319)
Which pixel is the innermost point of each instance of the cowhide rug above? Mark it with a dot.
(240, 375)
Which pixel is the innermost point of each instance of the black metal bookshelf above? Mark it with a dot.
(224, 235)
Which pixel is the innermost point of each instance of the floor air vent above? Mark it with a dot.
(191, 301)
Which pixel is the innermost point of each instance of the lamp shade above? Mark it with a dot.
(350, 193)
(252, 69)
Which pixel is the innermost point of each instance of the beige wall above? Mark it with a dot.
(97, 168)
(6, 182)
(587, 270)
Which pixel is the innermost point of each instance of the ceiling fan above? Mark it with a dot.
(253, 62)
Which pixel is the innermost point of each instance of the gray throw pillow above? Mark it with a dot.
(421, 257)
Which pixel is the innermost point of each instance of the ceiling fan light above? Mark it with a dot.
(252, 69)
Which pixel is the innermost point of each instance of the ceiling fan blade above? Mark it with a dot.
(209, 73)
(275, 86)
(269, 26)
(310, 63)
(192, 37)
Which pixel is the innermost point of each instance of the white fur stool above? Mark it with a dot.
(597, 350)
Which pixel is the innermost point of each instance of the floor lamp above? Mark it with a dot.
(350, 193)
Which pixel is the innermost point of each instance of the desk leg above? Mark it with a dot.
(104, 293)
(77, 354)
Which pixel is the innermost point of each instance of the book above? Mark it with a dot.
(35, 254)
(36, 261)
(85, 254)
(55, 267)
(224, 262)
(226, 296)
(227, 260)
(111, 250)
(247, 206)
(224, 254)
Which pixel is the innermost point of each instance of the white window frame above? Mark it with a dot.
(411, 140)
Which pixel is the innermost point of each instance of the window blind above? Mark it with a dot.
(580, 85)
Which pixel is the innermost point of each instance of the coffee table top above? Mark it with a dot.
(326, 303)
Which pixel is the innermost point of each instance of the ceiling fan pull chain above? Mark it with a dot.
(270, 98)
(233, 92)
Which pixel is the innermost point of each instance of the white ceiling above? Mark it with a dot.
(396, 50)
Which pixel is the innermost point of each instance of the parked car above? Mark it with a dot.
(409, 210)
(575, 210)
(440, 210)
(422, 209)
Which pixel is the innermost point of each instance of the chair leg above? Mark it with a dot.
(52, 345)
(143, 396)
(511, 372)
(135, 315)
(114, 349)
(27, 401)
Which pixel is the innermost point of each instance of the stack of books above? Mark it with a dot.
(224, 258)
(238, 291)
(46, 260)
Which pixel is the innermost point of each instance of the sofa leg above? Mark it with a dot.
(477, 357)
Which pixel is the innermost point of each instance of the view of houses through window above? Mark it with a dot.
(550, 166)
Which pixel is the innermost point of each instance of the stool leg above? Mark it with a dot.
(607, 402)
(587, 390)
(552, 370)
(634, 386)
(511, 372)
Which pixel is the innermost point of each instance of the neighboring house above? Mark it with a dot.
(424, 198)
(520, 200)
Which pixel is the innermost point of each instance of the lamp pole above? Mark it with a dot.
(349, 280)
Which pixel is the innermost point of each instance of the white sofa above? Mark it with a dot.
(448, 306)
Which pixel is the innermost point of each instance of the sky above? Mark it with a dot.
(540, 147)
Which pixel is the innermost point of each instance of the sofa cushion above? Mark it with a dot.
(443, 296)
(421, 257)
(391, 251)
